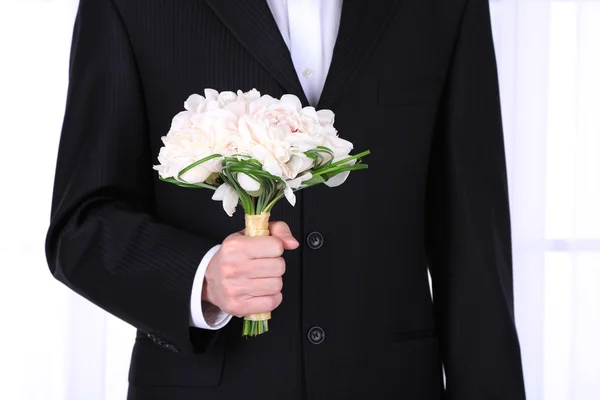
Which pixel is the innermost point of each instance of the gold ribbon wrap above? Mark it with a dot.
(258, 225)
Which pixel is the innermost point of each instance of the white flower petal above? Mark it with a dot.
(310, 113)
(248, 183)
(219, 194)
(307, 164)
(297, 182)
(230, 202)
(244, 131)
(294, 165)
(294, 183)
(292, 100)
(263, 102)
(272, 166)
(211, 94)
(226, 97)
(181, 121)
(238, 108)
(298, 164)
(338, 179)
(228, 196)
(341, 147)
(162, 171)
(257, 131)
(326, 117)
(193, 103)
(289, 195)
(306, 177)
(198, 174)
(249, 96)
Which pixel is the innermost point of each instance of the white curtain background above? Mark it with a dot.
(57, 346)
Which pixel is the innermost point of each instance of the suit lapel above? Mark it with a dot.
(252, 23)
(361, 24)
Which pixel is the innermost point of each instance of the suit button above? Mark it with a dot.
(171, 347)
(315, 240)
(316, 335)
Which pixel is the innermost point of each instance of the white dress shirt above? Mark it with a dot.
(309, 29)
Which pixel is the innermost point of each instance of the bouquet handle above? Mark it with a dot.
(256, 324)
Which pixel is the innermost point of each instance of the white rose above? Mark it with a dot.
(277, 136)
(209, 125)
(183, 148)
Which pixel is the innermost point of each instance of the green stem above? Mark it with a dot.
(270, 206)
(332, 166)
(195, 164)
(188, 185)
(354, 157)
(255, 328)
(339, 169)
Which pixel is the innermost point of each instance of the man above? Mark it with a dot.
(415, 82)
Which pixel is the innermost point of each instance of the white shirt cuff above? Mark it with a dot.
(203, 314)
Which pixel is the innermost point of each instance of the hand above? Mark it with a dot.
(245, 276)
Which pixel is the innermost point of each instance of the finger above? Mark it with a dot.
(263, 287)
(281, 230)
(264, 304)
(245, 247)
(263, 268)
(262, 247)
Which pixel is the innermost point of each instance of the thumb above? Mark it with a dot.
(281, 230)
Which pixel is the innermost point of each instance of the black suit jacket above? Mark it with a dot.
(415, 82)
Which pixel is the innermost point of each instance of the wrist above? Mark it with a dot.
(207, 295)
(204, 295)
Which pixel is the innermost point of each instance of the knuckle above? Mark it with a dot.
(277, 245)
(279, 285)
(270, 303)
(228, 271)
(277, 226)
(281, 226)
(231, 245)
(280, 265)
(276, 301)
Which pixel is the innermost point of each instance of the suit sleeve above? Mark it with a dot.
(468, 224)
(104, 242)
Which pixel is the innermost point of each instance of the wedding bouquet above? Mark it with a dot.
(254, 150)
